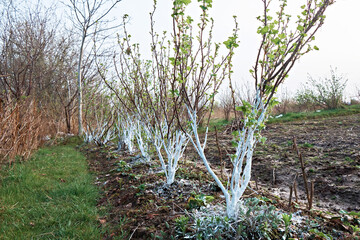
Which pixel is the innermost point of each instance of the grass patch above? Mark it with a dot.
(51, 196)
(219, 123)
(346, 110)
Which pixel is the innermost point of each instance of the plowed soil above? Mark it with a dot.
(330, 150)
(140, 206)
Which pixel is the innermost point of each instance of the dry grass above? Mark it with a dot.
(20, 130)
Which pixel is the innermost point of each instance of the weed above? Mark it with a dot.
(198, 201)
(141, 187)
(181, 225)
(256, 220)
(317, 234)
(308, 145)
(123, 167)
(349, 160)
(352, 220)
(287, 221)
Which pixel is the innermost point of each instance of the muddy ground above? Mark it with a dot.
(330, 149)
(141, 207)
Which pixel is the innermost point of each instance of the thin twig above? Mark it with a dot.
(303, 172)
(311, 195)
(134, 231)
(294, 187)
(274, 176)
(295, 191)
(290, 196)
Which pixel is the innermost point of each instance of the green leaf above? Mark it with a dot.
(264, 30)
(235, 134)
(276, 41)
(231, 42)
(316, 48)
(189, 20)
(282, 35)
(180, 2)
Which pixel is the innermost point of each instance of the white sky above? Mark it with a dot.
(338, 39)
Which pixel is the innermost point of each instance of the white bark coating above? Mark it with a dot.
(126, 131)
(141, 139)
(174, 147)
(101, 134)
(241, 160)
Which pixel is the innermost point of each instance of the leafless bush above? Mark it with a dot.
(327, 92)
(99, 117)
(286, 104)
(20, 129)
(37, 59)
(226, 104)
(357, 94)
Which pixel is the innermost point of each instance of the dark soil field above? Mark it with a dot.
(331, 151)
(142, 207)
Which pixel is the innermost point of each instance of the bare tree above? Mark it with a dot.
(90, 18)
(27, 42)
(327, 92)
(226, 104)
(278, 52)
(150, 95)
(358, 93)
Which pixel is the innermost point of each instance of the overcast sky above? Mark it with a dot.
(338, 39)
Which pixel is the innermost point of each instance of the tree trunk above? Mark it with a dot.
(80, 130)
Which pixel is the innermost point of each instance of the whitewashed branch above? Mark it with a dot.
(241, 160)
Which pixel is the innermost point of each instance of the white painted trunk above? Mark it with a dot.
(126, 130)
(174, 147)
(141, 139)
(242, 160)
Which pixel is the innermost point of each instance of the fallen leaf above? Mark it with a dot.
(151, 216)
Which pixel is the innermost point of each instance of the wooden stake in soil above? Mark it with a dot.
(256, 182)
(290, 197)
(303, 172)
(295, 191)
(294, 187)
(311, 195)
(274, 176)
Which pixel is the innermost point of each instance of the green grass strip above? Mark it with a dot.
(50, 196)
(288, 117)
(218, 123)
